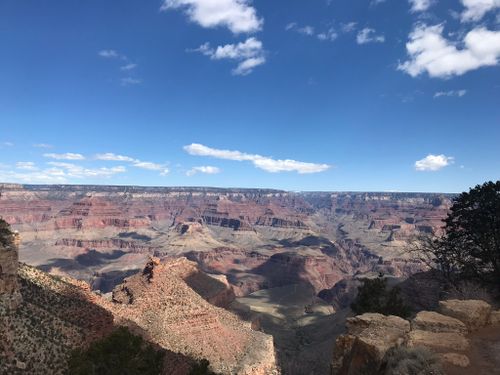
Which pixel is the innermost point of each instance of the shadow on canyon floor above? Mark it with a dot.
(90, 267)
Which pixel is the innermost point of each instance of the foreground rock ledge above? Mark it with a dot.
(370, 336)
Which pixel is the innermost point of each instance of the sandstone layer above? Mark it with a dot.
(450, 334)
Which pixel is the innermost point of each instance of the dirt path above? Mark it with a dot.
(484, 354)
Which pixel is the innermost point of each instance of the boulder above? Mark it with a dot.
(438, 341)
(434, 322)
(474, 313)
(368, 338)
(455, 359)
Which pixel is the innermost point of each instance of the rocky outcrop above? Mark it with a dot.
(432, 321)
(448, 334)
(107, 244)
(368, 338)
(54, 317)
(474, 313)
(160, 302)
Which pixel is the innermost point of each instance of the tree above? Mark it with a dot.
(470, 247)
(374, 296)
(5, 233)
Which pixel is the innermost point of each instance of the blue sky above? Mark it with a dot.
(297, 95)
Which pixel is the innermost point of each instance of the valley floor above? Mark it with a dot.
(304, 327)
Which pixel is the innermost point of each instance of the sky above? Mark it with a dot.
(301, 95)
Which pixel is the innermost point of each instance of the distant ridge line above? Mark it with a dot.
(201, 189)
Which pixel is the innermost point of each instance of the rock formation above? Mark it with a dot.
(448, 334)
(160, 302)
(43, 317)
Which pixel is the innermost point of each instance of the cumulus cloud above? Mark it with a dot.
(152, 167)
(65, 156)
(237, 15)
(266, 163)
(458, 93)
(109, 156)
(433, 162)
(203, 169)
(349, 27)
(328, 35)
(26, 165)
(368, 35)
(306, 30)
(77, 171)
(109, 54)
(148, 165)
(249, 53)
(420, 5)
(57, 173)
(47, 176)
(476, 9)
(430, 52)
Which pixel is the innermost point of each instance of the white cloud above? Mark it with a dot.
(420, 5)
(306, 30)
(47, 176)
(128, 67)
(66, 156)
(476, 9)
(109, 54)
(249, 53)
(151, 167)
(430, 52)
(76, 171)
(329, 35)
(203, 169)
(113, 157)
(433, 162)
(368, 35)
(148, 165)
(42, 145)
(349, 27)
(458, 93)
(128, 81)
(237, 15)
(266, 163)
(7, 144)
(58, 173)
(26, 165)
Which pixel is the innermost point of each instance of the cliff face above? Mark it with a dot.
(53, 317)
(167, 304)
(257, 238)
(160, 302)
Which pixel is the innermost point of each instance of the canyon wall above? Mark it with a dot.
(258, 238)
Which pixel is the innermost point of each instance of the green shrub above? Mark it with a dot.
(410, 361)
(374, 296)
(201, 368)
(5, 233)
(120, 353)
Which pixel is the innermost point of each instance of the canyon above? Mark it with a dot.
(273, 253)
